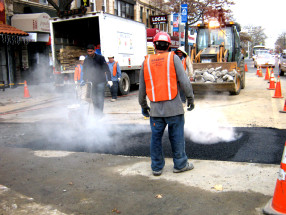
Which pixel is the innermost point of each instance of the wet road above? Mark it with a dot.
(257, 145)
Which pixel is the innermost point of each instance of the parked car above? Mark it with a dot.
(264, 60)
(282, 63)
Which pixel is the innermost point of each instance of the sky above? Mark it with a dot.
(269, 14)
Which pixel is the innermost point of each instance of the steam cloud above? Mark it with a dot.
(202, 126)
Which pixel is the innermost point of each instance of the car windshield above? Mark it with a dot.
(264, 55)
(260, 52)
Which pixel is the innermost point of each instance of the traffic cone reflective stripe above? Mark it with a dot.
(278, 205)
(284, 110)
(267, 76)
(278, 93)
(279, 198)
(26, 91)
(245, 68)
(272, 82)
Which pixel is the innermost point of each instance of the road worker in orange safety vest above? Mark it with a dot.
(188, 67)
(78, 70)
(159, 78)
(115, 76)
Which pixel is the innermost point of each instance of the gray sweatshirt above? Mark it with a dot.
(172, 107)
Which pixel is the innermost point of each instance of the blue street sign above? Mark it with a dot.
(175, 22)
(184, 13)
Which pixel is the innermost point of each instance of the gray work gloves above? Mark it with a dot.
(145, 111)
(190, 104)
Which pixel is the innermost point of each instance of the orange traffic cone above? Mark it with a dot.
(278, 205)
(245, 68)
(26, 91)
(284, 110)
(278, 93)
(257, 71)
(267, 76)
(260, 73)
(272, 82)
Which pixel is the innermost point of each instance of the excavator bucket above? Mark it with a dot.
(233, 87)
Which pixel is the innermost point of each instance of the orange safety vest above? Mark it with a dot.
(160, 77)
(114, 68)
(77, 73)
(184, 62)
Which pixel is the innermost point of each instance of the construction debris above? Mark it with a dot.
(214, 75)
(68, 57)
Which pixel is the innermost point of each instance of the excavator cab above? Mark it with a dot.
(218, 43)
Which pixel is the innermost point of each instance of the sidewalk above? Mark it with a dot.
(12, 99)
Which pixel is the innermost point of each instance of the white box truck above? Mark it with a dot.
(125, 39)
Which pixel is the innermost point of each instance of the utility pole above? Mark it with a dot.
(187, 37)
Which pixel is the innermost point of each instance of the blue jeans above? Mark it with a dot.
(114, 89)
(98, 97)
(176, 137)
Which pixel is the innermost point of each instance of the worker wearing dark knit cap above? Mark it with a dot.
(96, 70)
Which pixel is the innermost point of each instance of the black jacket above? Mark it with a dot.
(95, 69)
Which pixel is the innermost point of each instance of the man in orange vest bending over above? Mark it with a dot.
(159, 78)
(115, 76)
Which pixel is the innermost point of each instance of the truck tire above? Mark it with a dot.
(281, 73)
(124, 84)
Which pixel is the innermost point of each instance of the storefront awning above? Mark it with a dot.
(33, 22)
(10, 30)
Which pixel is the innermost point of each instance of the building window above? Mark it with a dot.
(124, 9)
(115, 8)
(147, 17)
(141, 14)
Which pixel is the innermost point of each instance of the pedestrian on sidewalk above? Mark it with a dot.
(95, 71)
(188, 67)
(115, 76)
(159, 78)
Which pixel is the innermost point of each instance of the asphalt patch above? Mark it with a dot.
(254, 144)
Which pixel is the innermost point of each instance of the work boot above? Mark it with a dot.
(189, 166)
(157, 173)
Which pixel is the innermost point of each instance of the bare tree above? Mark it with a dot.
(200, 10)
(245, 39)
(280, 43)
(257, 34)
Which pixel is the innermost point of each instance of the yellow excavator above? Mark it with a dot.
(218, 45)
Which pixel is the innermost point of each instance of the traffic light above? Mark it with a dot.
(85, 3)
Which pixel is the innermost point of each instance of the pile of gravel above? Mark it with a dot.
(214, 75)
